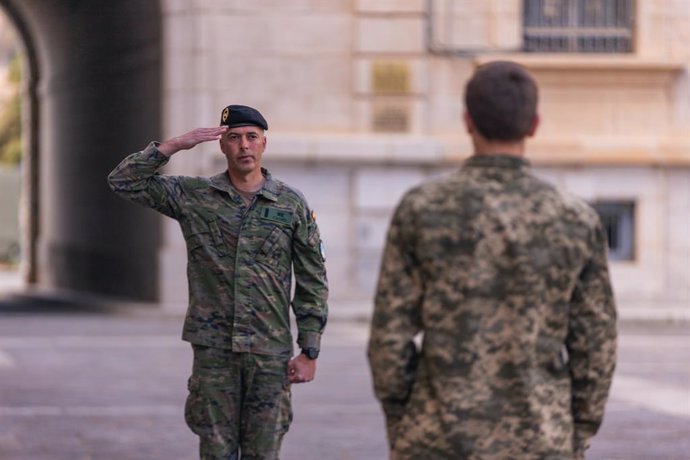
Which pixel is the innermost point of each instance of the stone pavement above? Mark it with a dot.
(84, 384)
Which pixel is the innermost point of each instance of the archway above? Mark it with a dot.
(93, 95)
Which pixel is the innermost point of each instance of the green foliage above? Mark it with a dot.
(10, 120)
(12, 152)
(15, 73)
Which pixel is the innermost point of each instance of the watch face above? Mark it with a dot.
(312, 353)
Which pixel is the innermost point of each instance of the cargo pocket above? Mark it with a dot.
(212, 413)
(209, 409)
(196, 410)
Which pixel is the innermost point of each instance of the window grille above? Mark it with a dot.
(578, 26)
(618, 219)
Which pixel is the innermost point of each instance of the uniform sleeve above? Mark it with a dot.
(396, 320)
(136, 180)
(309, 304)
(591, 344)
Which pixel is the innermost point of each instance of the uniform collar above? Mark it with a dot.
(497, 161)
(221, 181)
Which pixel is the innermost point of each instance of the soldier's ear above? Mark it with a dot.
(469, 124)
(535, 124)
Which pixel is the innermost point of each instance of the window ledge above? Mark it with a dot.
(586, 62)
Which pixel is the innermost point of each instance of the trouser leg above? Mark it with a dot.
(238, 402)
(266, 408)
(213, 407)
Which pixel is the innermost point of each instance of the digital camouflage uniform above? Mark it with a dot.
(507, 280)
(240, 264)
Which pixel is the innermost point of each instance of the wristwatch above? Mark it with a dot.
(311, 353)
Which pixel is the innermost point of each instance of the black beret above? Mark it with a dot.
(242, 115)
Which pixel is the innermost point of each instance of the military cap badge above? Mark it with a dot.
(235, 115)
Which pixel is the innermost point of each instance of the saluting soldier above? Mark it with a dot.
(245, 233)
(506, 278)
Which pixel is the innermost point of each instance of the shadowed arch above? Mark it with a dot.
(93, 95)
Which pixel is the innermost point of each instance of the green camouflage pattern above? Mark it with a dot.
(506, 281)
(238, 402)
(240, 259)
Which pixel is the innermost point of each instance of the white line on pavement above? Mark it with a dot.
(82, 411)
(151, 341)
(6, 360)
(677, 342)
(652, 395)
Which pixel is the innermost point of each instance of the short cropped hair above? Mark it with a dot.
(501, 100)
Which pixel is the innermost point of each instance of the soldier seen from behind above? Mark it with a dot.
(246, 234)
(505, 278)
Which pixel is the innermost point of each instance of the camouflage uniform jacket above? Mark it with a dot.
(507, 280)
(239, 258)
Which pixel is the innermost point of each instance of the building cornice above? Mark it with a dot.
(433, 151)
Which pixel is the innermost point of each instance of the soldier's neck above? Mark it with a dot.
(247, 183)
(487, 147)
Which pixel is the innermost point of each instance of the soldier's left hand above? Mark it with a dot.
(301, 369)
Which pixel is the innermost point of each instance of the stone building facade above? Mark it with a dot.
(364, 100)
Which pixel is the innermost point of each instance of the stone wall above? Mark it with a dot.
(361, 107)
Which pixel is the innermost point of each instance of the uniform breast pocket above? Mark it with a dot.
(276, 251)
(204, 238)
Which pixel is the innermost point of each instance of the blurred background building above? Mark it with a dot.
(364, 100)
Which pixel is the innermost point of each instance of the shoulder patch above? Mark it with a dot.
(276, 215)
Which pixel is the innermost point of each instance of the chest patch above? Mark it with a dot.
(276, 215)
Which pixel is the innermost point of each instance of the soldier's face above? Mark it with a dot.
(243, 147)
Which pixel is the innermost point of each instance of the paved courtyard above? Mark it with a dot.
(81, 384)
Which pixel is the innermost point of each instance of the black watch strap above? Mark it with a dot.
(311, 353)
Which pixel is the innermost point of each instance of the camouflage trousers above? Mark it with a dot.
(238, 404)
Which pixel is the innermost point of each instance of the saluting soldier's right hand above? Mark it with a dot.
(191, 139)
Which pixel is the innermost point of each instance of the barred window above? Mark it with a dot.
(578, 26)
(618, 219)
